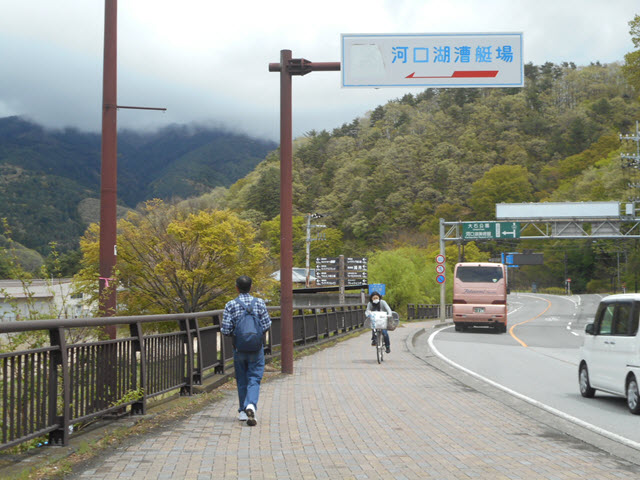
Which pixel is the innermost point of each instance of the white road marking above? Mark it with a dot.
(577, 421)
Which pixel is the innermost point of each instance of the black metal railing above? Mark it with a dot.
(44, 391)
(420, 311)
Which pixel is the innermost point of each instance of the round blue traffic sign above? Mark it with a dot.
(440, 279)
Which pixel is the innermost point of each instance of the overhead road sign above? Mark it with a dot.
(490, 230)
(524, 259)
(432, 60)
(558, 210)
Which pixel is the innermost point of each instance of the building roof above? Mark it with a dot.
(298, 275)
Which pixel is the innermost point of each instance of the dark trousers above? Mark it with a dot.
(249, 369)
(385, 335)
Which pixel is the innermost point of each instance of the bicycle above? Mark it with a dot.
(381, 321)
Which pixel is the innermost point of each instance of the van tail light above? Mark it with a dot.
(499, 302)
(458, 300)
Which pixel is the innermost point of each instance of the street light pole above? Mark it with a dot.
(287, 68)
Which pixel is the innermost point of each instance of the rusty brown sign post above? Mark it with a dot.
(289, 67)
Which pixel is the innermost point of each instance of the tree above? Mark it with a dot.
(503, 183)
(631, 68)
(171, 261)
(330, 246)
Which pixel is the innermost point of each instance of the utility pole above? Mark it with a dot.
(632, 160)
(109, 167)
(309, 240)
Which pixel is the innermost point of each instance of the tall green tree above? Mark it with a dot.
(631, 67)
(172, 261)
(501, 184)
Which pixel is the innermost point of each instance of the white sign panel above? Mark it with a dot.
(558, 210)
(432, 60)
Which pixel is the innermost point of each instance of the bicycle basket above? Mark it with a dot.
(393, 322)
(378, 320)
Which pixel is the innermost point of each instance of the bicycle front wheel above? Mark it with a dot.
(379, 346)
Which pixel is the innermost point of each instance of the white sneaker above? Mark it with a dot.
(251, 415)
(242, 416)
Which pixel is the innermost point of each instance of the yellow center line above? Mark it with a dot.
(514, 326)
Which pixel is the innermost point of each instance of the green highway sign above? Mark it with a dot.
(490, 230)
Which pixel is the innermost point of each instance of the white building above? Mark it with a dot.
(48, 298)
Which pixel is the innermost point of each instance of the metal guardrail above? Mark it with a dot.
(421, 311)
(46, 390)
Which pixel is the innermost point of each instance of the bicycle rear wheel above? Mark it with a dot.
(379, 346)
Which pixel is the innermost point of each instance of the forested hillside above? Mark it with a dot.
(453, 153)
(45, 175)
(387, 177)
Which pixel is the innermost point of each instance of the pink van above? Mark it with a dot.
(480, 296)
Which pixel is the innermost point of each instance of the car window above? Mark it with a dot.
(622, 319)
(634, 321)
(605, 320)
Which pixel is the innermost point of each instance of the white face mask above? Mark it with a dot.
(376, 300)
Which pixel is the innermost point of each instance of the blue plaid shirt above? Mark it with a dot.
(233, 310)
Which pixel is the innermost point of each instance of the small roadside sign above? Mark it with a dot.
(440, 258)
(432, 60)
(439, 268)
(440, 279)
(378, 287)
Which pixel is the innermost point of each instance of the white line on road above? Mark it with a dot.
(577, 421)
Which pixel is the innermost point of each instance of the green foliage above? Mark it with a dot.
(406, 275)
(631, 68)
(501, 184)
(409, 273)
(171, 260)
(46, 175)
(330, 246)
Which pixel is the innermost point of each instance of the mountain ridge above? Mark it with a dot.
(46, 174)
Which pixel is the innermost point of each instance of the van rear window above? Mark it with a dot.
(472, 274)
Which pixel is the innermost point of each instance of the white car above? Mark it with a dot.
(610, 356)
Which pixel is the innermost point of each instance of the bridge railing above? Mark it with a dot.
(423, 311)
(65, 382)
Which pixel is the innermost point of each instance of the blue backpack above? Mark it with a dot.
(247, 333)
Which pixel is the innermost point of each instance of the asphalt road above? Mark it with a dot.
(538, 359)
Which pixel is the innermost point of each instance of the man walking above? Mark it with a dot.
(248, 365)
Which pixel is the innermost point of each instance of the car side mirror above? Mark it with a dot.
(589, 329)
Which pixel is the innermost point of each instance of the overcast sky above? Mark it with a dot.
(206, 61)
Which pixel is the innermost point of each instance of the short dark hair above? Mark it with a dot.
(243, 283)
(373, 294)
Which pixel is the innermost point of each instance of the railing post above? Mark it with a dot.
(60, 436)
(186, 328)
(139, 407)
(304, 326)
(197, 371)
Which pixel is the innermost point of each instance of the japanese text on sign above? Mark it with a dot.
(447, 60)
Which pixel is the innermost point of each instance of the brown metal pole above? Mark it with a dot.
(286, 213)
(108, 188)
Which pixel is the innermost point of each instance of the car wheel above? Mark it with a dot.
(633, 396)
(458, 328)
(585, 387)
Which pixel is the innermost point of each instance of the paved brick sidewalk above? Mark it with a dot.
(343, 416)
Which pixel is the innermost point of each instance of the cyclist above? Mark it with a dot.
(376, 304)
